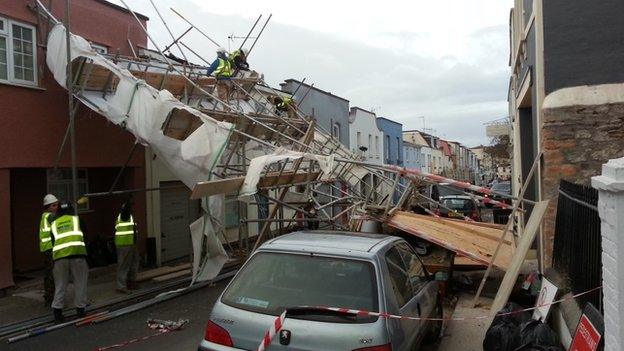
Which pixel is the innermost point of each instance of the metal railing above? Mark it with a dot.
(577, 245)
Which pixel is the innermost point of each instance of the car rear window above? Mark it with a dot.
(458, 204)
(271, 282)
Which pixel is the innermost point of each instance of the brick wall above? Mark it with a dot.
(576, 141)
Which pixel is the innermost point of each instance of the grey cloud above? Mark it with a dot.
(456, 96)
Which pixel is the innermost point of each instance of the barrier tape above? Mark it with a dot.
(163, 327)
(279, 321)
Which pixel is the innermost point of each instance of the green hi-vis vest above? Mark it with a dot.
(124, 232)
(234, 55)
(224, 69)
(68, 239)
(45, 242)
(286, 101)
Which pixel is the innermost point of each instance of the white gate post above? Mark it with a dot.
(611, 209)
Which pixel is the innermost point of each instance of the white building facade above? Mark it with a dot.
(364, 133)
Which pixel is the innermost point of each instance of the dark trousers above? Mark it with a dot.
(48, 276)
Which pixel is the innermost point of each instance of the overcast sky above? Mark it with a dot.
(446, 60)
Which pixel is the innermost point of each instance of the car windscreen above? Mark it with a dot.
(458, 204)
(270, 282)
(504, 188)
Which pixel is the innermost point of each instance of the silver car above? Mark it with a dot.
(303, 270)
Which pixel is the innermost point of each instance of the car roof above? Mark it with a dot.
(330, 242)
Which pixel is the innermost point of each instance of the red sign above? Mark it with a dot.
(586, 337)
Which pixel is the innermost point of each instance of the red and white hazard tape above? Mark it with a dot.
(279, 321)
(270, 334)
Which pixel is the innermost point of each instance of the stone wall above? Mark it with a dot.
(582, 128)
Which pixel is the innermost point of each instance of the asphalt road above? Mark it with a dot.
(194, 306)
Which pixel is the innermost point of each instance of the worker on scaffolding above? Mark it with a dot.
(238, 59)
(222, 69)
(69, 253)
(127, 254)
(285, 104)
(50, 206)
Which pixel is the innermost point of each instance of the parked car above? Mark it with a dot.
(459, 206)
(338, 269)
(502, 188)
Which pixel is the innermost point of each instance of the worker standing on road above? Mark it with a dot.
(238, 59)
(127, 255)
(69, 253)
(222, 69)
(50, 206)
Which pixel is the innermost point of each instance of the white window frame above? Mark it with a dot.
(336, 130)
(8, 34)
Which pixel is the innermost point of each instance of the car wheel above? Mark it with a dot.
(435, 327)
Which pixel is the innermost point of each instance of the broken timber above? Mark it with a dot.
(474, 240)
(232, 185)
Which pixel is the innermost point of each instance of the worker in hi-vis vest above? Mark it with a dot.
(285, 104)
(127, 255)
(238, 59)
(50, 206)
(69, 253)
(222, 69)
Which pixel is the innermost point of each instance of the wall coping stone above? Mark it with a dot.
(585, 95)
(612, 178)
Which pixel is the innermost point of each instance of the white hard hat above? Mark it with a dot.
(244, 51)
(49, 199)
(220, 50)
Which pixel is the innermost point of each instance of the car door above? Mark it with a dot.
(403, 332)
(424, 290)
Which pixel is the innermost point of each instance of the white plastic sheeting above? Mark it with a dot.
(256, 167)
(142, 110)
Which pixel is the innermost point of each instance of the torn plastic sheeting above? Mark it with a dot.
(204, 236)
(257, 164)
(143, 110)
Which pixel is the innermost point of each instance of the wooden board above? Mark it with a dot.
(232, 185)
(146, 275)
(163, 278)
(509, 280)
(468, 239)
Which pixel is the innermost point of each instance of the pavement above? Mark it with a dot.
(466, 335)
(194, 306)
(25, 301)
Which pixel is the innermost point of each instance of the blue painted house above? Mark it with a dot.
(330, 111)
(393, 141)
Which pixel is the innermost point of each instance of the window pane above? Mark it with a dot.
(415, 269)
(3, 57)
(18, 73)
(28, 48)
(272, 281)
(27, 61)
(398, 276)
(28, 74)
(27, 34)
(17, 31)
(17, 45)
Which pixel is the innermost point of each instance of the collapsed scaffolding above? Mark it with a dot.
(292, 169)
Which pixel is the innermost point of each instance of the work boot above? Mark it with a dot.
(58, 315)
(80, 312)
(123, 290)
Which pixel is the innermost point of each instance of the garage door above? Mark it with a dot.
(176, 213)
